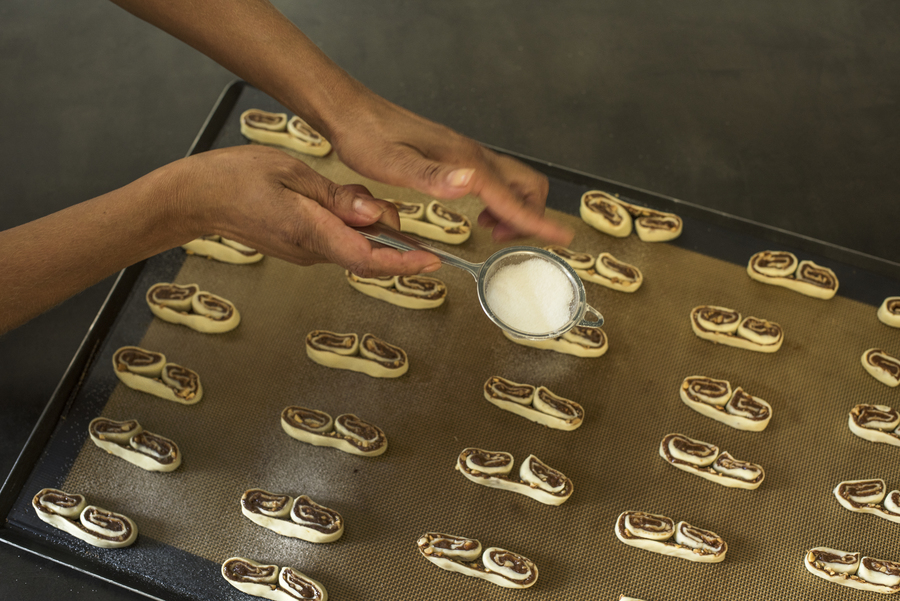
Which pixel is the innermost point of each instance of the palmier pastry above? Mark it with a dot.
(889, 311)
(276, 129)
(715, 398)
(464, 555)
(408, 291)
(869, 496)
(876, 423)
(347, 433)
(536, 479)
(149, 372)
(654, 226)
(579, 341)
(705, 460)
(298, 518)
(660, 534)
(781, 268)
(222, 249)
(881, 366)
(270, 582)
(606, 213)
(725, 326)
(433, 221)
(605, 270)
(71, 513)
(535, 403)
(369, 355)
(190, 306)
(849, 569)
(128, 440)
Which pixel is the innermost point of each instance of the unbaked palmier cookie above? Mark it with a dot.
(715, 398)
(407, 291)
(605, 270)
(705, 460)
(347, 433)
(654, 226)
(192, 307)
(579, 341)
(876, 423)
(869, 496)
(222, 249)
(276, 129)
(725, 326)
(881, 366)
(128, 440)
(465, 556)
(369, 355)
(433, 221)
(298, 518)
(536, 403)
(660, 534)
(849, 569)
(781, 268)
(536, 479)
(71, 514)
(889, 311)
(270, 582)
(149, 372)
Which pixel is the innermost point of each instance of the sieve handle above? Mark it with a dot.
(384, 234)
(588, 323)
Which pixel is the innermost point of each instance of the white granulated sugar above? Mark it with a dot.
(533, 296)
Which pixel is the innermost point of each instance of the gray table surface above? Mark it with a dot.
(784, 113)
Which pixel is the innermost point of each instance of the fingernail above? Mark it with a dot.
(367, 209)
(431, 268)
(459, 177)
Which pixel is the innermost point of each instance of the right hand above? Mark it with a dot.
(276, 204)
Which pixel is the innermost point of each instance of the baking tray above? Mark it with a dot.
(630, 396)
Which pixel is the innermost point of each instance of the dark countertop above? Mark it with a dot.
(784, 113)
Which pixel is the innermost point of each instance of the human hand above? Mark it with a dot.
(385, 142)
(272, 202)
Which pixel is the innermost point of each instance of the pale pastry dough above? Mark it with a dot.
(535, 479)
(605, 270)
(579, 341)
(876, 423)
(889, 311)
(347, 433)
(869, 496)
(705, 460)
(433, 221)
(725, 326)
(270, 582)
(407, 291)
(192, 307)
(149, 372)
(465, 556)
(71, 514)
(781, 268)
(368, 355)
(535, 403)
(128, 440)
(715, 398)
(849, 569)
(881, 366)
(222, 249)
(276, 129)
(298, 518)
(660, 534)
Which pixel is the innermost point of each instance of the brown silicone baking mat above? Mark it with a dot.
(190, 520)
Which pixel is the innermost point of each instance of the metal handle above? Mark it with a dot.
(384, 234)
(587, 323)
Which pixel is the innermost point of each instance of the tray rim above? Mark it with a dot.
(69, 385)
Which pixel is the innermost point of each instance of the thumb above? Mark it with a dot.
(354, 205)
(438, 179)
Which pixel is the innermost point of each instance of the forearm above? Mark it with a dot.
(53, 258)
(253, 40)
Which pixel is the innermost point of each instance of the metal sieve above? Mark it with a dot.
(483, 272)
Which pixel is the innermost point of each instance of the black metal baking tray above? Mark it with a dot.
(182, 576)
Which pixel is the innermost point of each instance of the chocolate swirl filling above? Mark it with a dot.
(342, 344)
(213, 307)
(881, 360)
(378, 350)
(421, 287)
(506, 390)
(600, 203)
(310, 514)
(810, 273)
(184, 381)
(696, 538)
(701, 389)
(317, 422)
(862, 493)
(56, 501)
(624, 270)
(774, 263)
(172, 294)
(716, 319)
(552, 404)
(510, 565)
(265, 503)
(362, 434)
(659, 221)
(587, 337)
(266, 121)
(161, 449)
(648, 525)
(105, 525)
(299, 587)
(241, 570)
(875, 417)
(131, 358)
(489, 462)
(744, 405)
